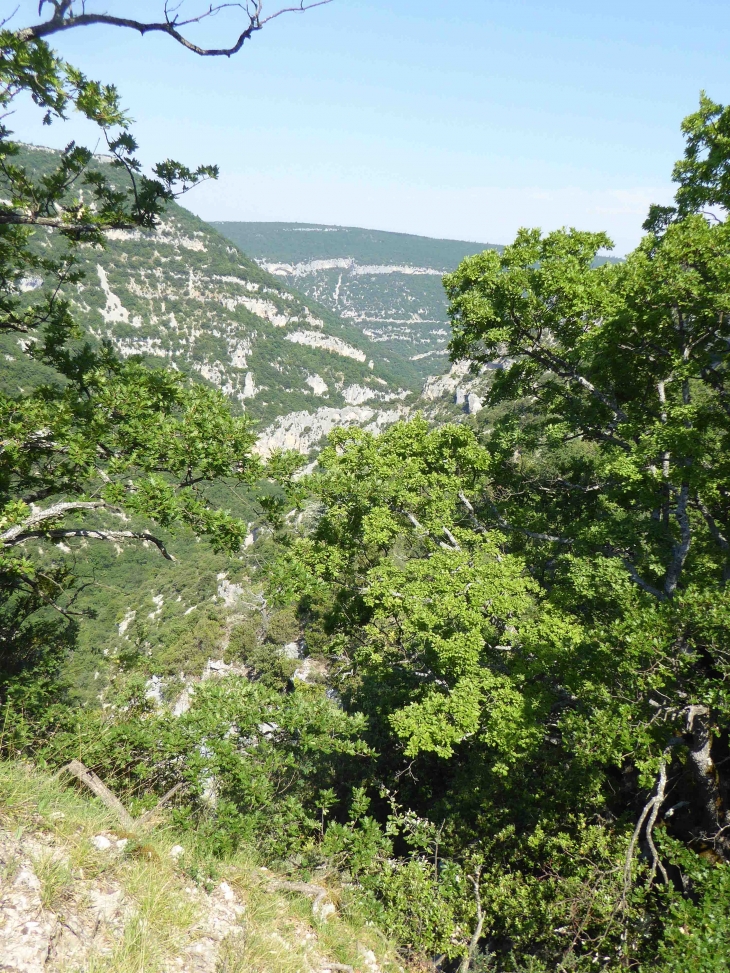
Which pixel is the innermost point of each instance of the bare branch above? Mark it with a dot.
(717, 534)
(148, 815)
(415, 523)
(661, 787)
(101, 535)
(477, 934)
(680, 550)
(65, 19)
(27, 529)
(651, 810)
(644, 585)
(98, 787)
(451, 539)
(12, 535)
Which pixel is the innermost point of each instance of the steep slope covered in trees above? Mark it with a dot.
(180, 294)
(386, 284)
(472, 677)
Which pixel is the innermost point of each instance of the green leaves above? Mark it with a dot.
(704, 173)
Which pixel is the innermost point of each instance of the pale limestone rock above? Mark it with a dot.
(329, 343)
(357, 394)
(473, 403)
(322, 909)
(311, 671)
(249, 386)
(439, 385)
(183, 701)
(153, 690)
(25, 932)
(229, 593)
(126, 621)
(291, 650)
(301, 431)
(114, 312)
(317, 384)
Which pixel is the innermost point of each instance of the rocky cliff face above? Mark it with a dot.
(185, 296)
(387, 285)
(303, 345)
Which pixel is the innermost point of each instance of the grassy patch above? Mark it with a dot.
(164, 898)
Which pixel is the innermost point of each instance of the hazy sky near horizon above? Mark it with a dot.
(462, 119)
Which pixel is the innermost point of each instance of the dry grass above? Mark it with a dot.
(56, 879)
(278, 934)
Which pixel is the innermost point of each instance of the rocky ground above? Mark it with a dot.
(79, 894)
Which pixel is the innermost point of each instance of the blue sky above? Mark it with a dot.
(463, 119)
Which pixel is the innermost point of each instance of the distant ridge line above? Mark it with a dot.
(295, 227)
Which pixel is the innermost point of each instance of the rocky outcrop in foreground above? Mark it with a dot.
(78, 893)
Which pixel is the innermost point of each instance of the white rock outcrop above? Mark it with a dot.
(327, 342)
(357, 394)
(114, 312)
(317, 384)
(439, 385)
(473, 403)
(301, 431)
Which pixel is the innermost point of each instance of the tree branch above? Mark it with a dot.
(64, 19)
(644, 585)
(14, 218)
(13, 534)
(101, 535)
(25, 531)
(717, 534)
(681, 549)
(698, 738)
(651, 810)
(477, 934)
(554, 539)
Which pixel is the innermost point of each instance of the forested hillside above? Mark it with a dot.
(182, 294)
(386, 284)
(457, 690)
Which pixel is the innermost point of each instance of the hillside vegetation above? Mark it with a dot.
(463, 683)
(386, 284)
(81, 892)
(182, 294)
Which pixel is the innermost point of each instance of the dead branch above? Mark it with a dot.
(64, 18)
(466, 962)
(100, 535)
(316, 892)
(661, 787)
(148, 815)
(454, 544)
(26, 530)
(651, 810)
(97, 786)
(13, 534)
(301, 888)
